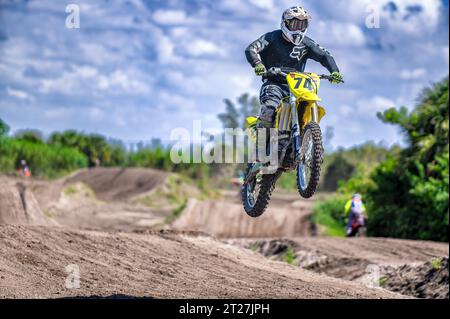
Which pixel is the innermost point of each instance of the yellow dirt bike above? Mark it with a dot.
(299, 141)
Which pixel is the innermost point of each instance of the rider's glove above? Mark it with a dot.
(260, 69)
(336, 77)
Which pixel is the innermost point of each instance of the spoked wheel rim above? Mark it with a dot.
(253, 189)
(257, 190)
(305, 165)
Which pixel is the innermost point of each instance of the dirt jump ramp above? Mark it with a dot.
(227, 219)
(18, 206)
(118, 184)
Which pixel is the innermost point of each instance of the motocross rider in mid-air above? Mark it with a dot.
(290, 48)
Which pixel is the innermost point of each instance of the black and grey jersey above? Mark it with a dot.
(273, 50)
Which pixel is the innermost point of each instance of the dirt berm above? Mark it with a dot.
(412, 267)
(18, 206)
(156, 265)
(119, 184)
(287, 215)
(97, 198)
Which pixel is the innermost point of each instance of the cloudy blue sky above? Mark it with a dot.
(136, 69)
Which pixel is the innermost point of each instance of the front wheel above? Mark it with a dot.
(257, 191)
(311, 159)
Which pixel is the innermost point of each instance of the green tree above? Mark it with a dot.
(230, 118)
(44, 160)
(410, 196)
(339, 169)
(426, 128)
(249, 106)
(236, 113)
(94, 146)
(4, 128)
(34, 136)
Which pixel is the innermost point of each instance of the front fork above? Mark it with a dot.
(297, 144)
(296, 125)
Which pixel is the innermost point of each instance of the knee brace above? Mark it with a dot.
(268, 111)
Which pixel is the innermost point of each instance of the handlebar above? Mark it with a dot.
(274, 72)
(285, 71)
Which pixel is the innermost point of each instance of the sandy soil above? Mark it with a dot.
(156, 265)
(119, 184)
(96, 199)
(415, 268)
(287, 215)
(101, 220)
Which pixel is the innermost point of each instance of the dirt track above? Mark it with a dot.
(101, 225)
(286, 216)
(119, 184)
(171, 265)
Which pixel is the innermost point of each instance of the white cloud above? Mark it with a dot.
(58, 113)
(340, 34)
(83, 79)
(355, 127)
(200, 47)
(170, 17)
(98, 53)
(165, 47)
(263, 4)
(345, 110)
(241, 82)
(69, 82)
(412, 74)
(96, 114)
(121, 80)
(427, 19)
(18, 94)
(179, 32)
(401, 20)
(131, 62)
(375, 104)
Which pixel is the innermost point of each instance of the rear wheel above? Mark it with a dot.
(311, 159)
(256, 192)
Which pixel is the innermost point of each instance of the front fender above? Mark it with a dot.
(307, 115)
(309, 96)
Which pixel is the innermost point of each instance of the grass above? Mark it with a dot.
(382, 281)
(79, 188)
(288, 181)
(436, 263)
(328, 213)
(289, 256)
(176, 212)
(333, 227)
(70, 190)
(174, 193)
(49, 213)
(254, 247)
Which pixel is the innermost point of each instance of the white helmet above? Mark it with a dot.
(294, 24)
